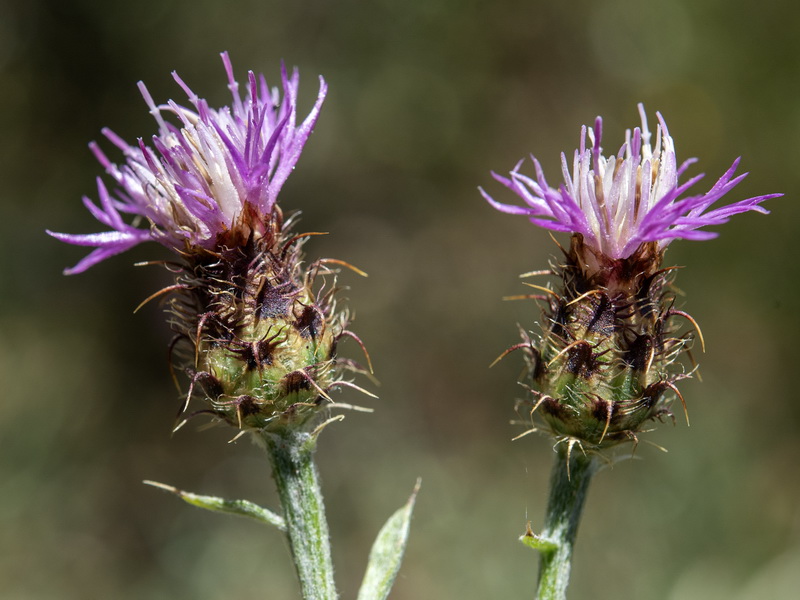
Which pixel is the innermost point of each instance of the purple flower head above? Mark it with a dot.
(620, 201)
(215, 172)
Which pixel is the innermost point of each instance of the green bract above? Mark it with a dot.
(608, 355)
(261, 340)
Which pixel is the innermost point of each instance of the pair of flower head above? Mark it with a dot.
(206, 186)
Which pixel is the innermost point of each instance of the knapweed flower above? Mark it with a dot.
(607, 357)
(259, 338)
(208, 182)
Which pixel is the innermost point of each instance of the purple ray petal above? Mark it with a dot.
(640, 200)
(202, 167)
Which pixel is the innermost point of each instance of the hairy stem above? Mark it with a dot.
(295, 473)
(569, 483)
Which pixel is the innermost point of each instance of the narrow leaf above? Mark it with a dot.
(387, 553)
(243, 508)
(537, 542)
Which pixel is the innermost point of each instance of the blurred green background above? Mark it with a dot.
(426, 97)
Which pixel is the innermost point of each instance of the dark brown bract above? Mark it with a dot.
(608, 359)
(257, 329)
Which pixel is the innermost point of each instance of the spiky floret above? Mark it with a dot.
(217, 172)
(619, 202)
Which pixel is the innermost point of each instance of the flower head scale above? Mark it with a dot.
(211, 180)
(621, 201)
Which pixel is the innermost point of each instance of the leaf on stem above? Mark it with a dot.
(243, 508)
(387, 553)
(537, 542)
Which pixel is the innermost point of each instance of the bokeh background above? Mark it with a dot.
(426, 97)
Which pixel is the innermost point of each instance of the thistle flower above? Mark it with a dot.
(619, 202)
(206, 184)
(259, 337)
(608, 358)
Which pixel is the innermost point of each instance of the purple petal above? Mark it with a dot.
(621, 201)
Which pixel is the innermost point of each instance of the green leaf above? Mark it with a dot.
(537, 542)
(243, 508)
(387, 553)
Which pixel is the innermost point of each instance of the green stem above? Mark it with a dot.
(291, 454)
(569, 482)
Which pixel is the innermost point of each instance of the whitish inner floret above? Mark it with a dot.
(621, 201)
(210, 177)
